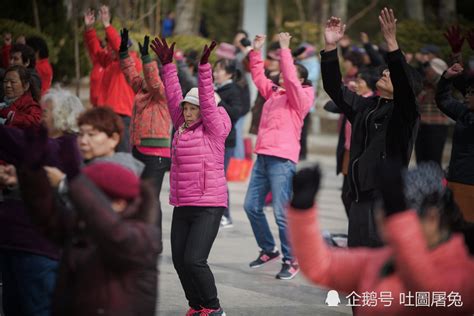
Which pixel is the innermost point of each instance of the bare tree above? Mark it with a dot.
(447, 11)
(276, 12)
(313, 10)
(362, 13)
(339, 9)
(414, 9)
(299, 5)
(36, 15)
(185, 17)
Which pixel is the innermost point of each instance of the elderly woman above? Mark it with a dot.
(198, 184)
(28, 261)
(20, 104)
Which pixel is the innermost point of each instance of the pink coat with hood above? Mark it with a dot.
(197, 159)
(284, 110)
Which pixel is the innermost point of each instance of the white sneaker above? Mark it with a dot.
(226, 222)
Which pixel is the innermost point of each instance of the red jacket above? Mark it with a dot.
(45, 71)
(24, 112)
(151, 121)
(446, 268)
(5, 60)
(114, 90)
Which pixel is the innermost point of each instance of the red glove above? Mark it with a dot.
(161, 49)
(207, 52)
(454, 37)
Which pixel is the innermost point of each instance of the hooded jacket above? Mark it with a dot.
(284, 110)
(109, 261)
(381, 128)
(114, 90)
(197, 159)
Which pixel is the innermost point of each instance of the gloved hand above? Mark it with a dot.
(245, 42)
(124, 40)
(144, 49)
(207, 52)
(454, 37)
(161, 49)
(70, 157)
(305, 187)
(391, 185)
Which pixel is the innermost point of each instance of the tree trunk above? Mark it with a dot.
(299, 5)
(276, 12)
(339, 9)
(157, 28)
(185, 17)
(76, 55)
(36, 15)
(447, 11)
(313, 11)
(415, 10)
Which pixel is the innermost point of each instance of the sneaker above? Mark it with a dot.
(226, 222)
(288, 270)
(193, 312)
(212, 312)
(264, 257)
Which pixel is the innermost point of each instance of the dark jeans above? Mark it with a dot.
(430, 142)
(229, 153)
(362, 227)
(124, 145)
(193, 231)
(28, 283)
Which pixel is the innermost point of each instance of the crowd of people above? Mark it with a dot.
(80, 210)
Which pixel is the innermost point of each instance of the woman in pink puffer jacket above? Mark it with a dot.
(197, 180)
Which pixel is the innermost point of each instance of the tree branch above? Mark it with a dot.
(361, 13)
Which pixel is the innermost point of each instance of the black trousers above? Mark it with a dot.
(193, 231)
(430, 142)
(155, 169)
(345, 195)
(362, 227)
(304, 136)
(124, 145)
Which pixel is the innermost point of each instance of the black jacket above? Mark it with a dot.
(381, 128)
(231, 96)
(461, 166)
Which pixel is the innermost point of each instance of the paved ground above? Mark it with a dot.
(245, 291)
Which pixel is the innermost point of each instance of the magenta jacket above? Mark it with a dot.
(284, 110)
(197, 158)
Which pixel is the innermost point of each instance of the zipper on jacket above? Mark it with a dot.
(366, 138)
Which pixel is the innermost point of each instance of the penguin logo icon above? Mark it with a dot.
(333, 298)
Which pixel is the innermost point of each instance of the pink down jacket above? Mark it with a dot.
(283, 113)
(197, 159)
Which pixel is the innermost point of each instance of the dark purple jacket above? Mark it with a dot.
(109, 261)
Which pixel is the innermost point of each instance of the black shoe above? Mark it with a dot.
(288, 270)
(264, 257)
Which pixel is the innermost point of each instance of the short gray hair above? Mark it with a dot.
(66, 109)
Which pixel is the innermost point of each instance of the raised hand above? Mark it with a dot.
(333, 32)
(123, 40)
(284, 39)
(161, 49)
(258, 42)
(470, 38)
(8, 176)
(388, 26)
(89, 18)
(454, 37)
(206, 52)
(144, 49)
(305, 187)
(105, 15)
(453, 71)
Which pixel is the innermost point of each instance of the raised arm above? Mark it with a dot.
(127, 65)
(346, 100)
(375, 57)
(402, 75)
(299, 98)
(444, 99)
(339, 269)
(264, 85)
(216, 121)
(113, 38)
(170, 80)
(151, 72)
(91, 40)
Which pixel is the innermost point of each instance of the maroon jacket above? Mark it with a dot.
(24, 112)
(109, 262)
